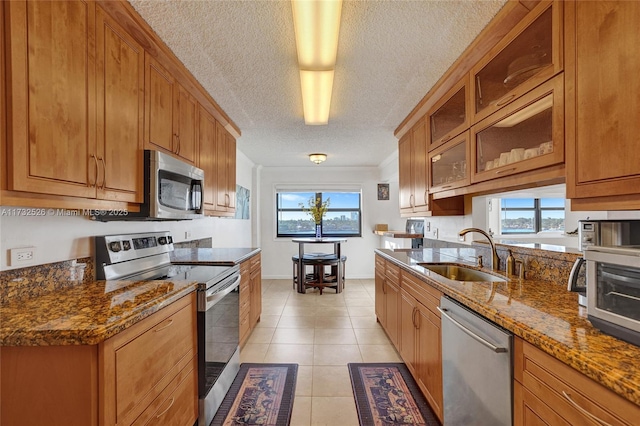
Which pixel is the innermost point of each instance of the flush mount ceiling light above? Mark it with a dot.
(317, 25)
(317, 158)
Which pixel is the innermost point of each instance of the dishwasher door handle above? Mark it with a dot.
(488, 344)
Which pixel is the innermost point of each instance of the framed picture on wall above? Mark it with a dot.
(383, 191)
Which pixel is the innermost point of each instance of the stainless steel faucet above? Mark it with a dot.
(495, 260)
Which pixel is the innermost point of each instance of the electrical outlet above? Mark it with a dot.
(187, 235)
(22, 256)
(434, 233)
(427, 226)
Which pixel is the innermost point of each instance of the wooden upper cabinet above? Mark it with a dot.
(207, 155)
(170, 113)
(449, 165)
(120, 112)
(528, 55)
(159, 102)
(603, 107)
(185, 124)
(51, 64)
(413, 169)
(526, 135)
(225, 172)
(404, 173)
(450, 116)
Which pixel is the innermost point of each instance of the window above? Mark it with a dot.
(343, 218)
(531, 215)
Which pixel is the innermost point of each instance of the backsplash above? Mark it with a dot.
(34, 281)
(539, 264)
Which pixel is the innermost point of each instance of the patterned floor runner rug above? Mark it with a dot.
(386, 394)
(261, 394)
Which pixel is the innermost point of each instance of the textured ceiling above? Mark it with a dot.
(390, 54)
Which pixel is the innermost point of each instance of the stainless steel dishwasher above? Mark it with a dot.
(476, 368)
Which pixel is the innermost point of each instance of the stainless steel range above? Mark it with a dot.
(146, 256)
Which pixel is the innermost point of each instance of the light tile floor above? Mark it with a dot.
(322, 334)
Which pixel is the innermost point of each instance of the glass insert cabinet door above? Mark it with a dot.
(526, 135)
(450, 115)
(448, 166)
(527, 57)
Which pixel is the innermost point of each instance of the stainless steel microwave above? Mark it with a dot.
(608, 233)
(613, 290)
(173, 190)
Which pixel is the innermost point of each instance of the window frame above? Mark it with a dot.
(317, 193)
(537, 210)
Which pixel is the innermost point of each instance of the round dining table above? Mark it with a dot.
(336, 241)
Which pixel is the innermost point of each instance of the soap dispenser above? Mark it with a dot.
(511, 264)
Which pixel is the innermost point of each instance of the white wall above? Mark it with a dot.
(59, 238)
(277, 252)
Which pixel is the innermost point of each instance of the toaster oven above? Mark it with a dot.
(613, 288)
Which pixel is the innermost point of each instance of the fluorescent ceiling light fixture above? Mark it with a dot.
(317, 158)
(316, 96)
(317, 26)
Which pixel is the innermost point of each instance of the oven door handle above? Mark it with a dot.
(214, 297)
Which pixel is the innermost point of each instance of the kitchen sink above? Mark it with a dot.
(461, 273)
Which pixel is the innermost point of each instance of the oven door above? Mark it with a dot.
(218, 344)
(613, 286)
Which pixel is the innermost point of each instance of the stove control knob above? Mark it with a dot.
(126, 245)
(162, 240)
(115, 246)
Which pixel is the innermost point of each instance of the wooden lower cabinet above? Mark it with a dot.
(147, 374)
(548, 392)
(420, 344)
(406, 309)
(250, 296)
(388, 298)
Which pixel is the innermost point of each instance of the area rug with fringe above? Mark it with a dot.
(386, 394)
(261, 394)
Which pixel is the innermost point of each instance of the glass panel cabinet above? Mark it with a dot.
(449, 116)
(448, 165)
(526, 135)
(526, 57)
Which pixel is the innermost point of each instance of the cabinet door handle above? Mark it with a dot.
(166, 409)
(583, 411)
(95, 181)
(169, 324)
(426, 197)
(176, 140)
(505, 100)
(411, 201)
(104, 173)
(447, 186)
(384, 283)
(418, 320)
(479, 89)
(505, 170)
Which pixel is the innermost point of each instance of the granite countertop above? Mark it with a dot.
(212, 256)
(542, 313)
(84, 314)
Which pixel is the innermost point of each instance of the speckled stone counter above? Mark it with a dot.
(541, 312)
(212, 256)
(84, 314)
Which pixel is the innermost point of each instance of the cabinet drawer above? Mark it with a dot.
(177, 403)
(143, 364)
(255, 262)
(380, 263)
(568, 392)
(393, 272)
(422, 292)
